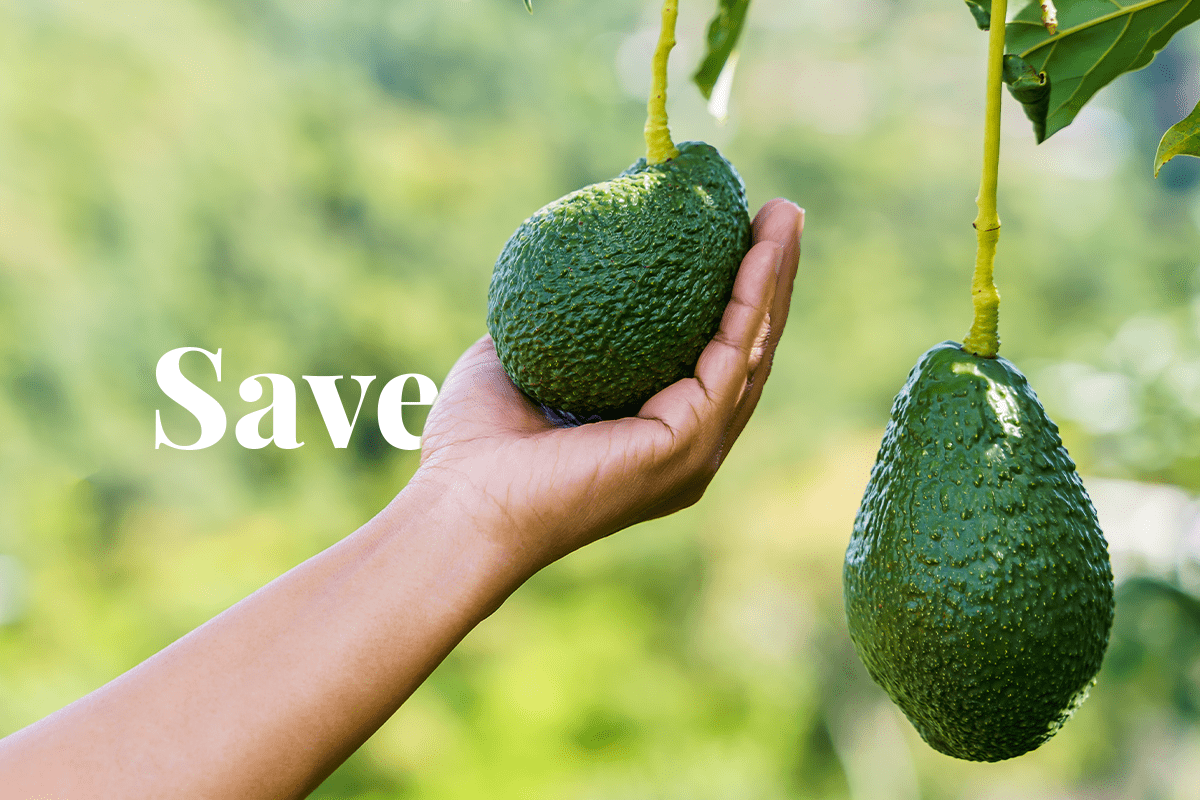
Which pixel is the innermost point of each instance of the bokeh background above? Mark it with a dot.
(321, 187)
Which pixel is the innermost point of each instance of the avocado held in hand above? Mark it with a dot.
(609, 294)
(977, 581)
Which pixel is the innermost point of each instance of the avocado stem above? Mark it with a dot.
(983, 338)
(659, 147)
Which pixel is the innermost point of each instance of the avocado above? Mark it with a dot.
(607, 295)
(977, 582)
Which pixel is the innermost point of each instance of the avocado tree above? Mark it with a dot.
(1053, 57)
(978, 586)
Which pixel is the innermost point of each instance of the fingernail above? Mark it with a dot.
(778, 257)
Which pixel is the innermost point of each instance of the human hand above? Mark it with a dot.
(540, 491)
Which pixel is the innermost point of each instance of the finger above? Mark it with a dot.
(765, 212)
(759, 351)
(724, 364)
(782, 223)
(720, 376)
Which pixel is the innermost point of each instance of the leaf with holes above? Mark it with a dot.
(1097, 40)
(1031, 88)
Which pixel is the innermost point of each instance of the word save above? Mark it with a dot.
(211, 416)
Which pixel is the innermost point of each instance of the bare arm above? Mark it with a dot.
(268, 698)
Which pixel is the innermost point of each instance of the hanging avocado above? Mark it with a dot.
(977, 581)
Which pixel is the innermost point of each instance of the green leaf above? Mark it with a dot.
(529, 6)
(1097, 40)
(1031, 88)
(723, 33)
(981, 13)
(1181, 139)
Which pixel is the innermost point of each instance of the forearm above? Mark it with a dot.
(266, 699)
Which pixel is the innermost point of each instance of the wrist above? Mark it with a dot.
(470, 561)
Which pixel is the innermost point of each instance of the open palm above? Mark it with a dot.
(553, 489)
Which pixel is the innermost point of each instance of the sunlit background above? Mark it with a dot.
(321, 187)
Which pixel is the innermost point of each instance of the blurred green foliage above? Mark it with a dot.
(321, 188)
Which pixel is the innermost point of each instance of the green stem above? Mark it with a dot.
(659, 147)
(983, 338)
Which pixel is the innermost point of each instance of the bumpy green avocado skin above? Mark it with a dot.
(607, 295)
(977, 581)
